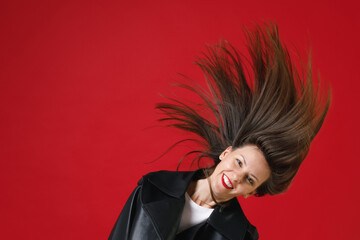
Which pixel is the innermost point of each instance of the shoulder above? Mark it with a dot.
(173, 183)
(162, 175)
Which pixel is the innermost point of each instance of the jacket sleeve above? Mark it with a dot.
(122, 227)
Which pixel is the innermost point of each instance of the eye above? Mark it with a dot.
(250, 181)
(239, 162)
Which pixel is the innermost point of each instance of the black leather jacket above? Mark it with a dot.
(153, 211)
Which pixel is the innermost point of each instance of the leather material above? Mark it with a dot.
(153, 212)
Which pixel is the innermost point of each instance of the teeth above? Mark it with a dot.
(227, 181)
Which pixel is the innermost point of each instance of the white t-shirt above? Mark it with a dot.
(193, 214)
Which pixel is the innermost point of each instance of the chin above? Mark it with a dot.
(220, 192)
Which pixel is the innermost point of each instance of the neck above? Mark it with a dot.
(199, 192)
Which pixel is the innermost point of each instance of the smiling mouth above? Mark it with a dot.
(226, 182)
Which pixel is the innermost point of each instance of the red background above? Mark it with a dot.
(78, 83)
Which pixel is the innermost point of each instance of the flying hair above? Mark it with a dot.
(262, 100)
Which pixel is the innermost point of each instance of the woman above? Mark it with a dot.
(255, 127)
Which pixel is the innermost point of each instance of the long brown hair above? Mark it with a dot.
(263, 100)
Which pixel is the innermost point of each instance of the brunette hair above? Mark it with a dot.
(262, 100)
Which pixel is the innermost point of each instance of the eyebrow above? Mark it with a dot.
(246, 165)
(254, 176)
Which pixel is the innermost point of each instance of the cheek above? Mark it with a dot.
(244, 188)
(216, 184)
(217, 170)
(225, 165)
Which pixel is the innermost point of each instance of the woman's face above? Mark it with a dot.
(239, 173)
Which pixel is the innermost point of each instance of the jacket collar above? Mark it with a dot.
(230, 221)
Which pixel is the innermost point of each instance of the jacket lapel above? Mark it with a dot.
(165, 216)
(230, 221)
(164, 200)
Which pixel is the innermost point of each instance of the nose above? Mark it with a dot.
(239, 175)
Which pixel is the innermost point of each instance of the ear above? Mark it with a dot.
(225, 152)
